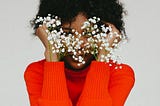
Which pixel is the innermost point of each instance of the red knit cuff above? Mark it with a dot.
(96, 85)
(54, 81)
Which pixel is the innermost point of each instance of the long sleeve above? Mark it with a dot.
(95, 91)
(106, 86)
(46, 85)
(121, 83)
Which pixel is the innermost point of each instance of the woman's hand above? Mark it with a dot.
(103, 52)
(49, 56)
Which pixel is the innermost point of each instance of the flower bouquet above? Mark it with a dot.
(99, 35)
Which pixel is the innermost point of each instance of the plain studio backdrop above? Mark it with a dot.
(18, 48)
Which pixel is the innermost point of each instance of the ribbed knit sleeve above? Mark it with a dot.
(33, 76)
(95, 92)
(106, 85)
(53, 89)
(121, 82)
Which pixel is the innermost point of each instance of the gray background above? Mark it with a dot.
(18, 48)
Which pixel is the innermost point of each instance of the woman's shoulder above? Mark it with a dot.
(34, 68)
(122, 68)
(36, 64)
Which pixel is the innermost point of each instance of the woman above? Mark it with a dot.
(66, 81)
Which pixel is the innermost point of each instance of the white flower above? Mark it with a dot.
(53, 25)
(95, 26)
(93, 32)
(48, 18)
(83, 62)
(51, 42)
(105, 29)
(58, 22)
(62, 43)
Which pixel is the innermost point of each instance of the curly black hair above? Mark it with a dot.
(111, 11)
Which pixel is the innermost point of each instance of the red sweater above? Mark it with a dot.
(50, 84)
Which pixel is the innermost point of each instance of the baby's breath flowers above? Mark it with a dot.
(100, 37)
(55, 33)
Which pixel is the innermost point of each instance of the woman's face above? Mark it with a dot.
(69, 61)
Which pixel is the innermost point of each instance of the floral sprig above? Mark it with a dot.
(98, 34)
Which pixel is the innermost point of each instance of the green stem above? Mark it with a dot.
(95, 55)
(50, 51)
